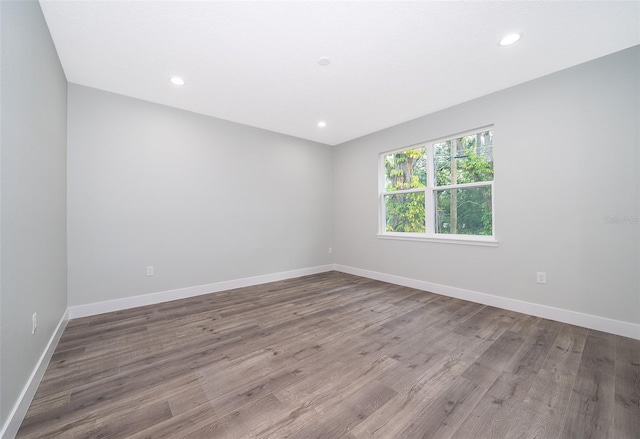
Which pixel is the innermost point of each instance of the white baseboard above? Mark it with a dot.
(183, 293)
(561, 315)
(10, 428)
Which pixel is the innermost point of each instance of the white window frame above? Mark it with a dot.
(430, 235)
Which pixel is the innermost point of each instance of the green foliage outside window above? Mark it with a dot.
(458, 210)
(468, 159)
(405, 212)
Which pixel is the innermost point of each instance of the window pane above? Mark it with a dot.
(465, 211)
(405, 170)
(467, 159)
(405, 212)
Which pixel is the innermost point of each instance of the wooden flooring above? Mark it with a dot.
(334, 356)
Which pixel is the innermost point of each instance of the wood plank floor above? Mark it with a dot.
(334, 356)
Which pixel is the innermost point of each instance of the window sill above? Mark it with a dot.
(446, 239)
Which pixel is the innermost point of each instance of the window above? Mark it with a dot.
(440, 190)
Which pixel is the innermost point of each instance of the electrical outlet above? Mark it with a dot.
(149, 270)
(34, 323)
(541, 277)
(330, 250)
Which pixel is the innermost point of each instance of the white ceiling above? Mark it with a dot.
(256, 62)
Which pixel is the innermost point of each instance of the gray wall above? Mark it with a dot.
(33, 197)
(201, 199)
(567, 161)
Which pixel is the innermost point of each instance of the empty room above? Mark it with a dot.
(319, 219)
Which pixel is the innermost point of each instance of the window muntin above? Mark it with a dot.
(441, 189)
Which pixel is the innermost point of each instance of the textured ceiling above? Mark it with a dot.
(256, 63)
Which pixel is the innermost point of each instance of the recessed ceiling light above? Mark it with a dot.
(509, 39)
(322, 124)
(176, 80)
(324, 61)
